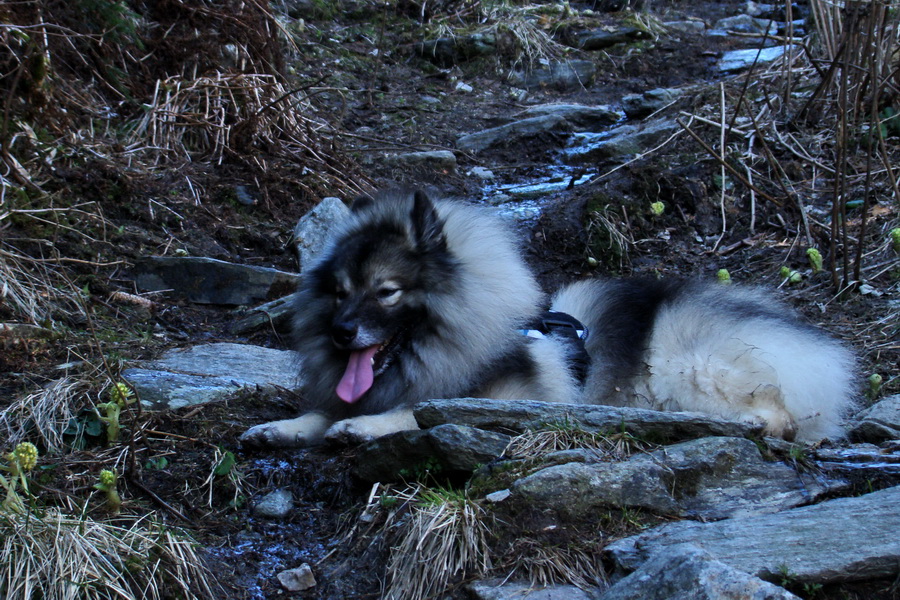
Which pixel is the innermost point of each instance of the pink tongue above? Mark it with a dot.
(359, 375)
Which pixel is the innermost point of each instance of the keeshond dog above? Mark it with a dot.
(416, 299)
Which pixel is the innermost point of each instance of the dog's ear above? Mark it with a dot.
(361, 203)
(427, 224)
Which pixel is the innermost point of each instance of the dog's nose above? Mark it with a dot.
(344, 332)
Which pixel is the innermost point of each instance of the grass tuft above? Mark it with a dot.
(59, 557)
(443, 536)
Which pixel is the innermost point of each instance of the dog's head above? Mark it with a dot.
(376, 279)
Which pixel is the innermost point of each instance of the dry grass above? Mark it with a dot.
(442, 537)
(238, 116)
(32, 288)
(44, 414)
(60, 557)
(545, 565)
(565, 436)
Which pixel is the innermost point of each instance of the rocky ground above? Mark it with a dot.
(575, 140)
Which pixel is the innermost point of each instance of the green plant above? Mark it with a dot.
(120, 396)
(895, 239)
(875, 380)
(815, 259)
(107, 484)
(790, 276)
(225, 469)
(723, 276)
(19, 462)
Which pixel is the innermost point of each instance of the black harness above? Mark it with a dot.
(568, 327)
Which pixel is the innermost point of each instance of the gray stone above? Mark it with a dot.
(860, 461)
(316, 227)
(577, 490)
(738, 60)
(688, 573)
(500, 589)
(710, 478)
(212, 281)
(448, 51)
(718, 478)
(600, 39)
(275, 505)
(435, 159)
(581, 117)
(482, 173)
(747, 24)
(521, 415)
(620, 143)
(498, 496)
(512, 132)
(638, 106)
(447, 447)
(848, 539)
(756, 9)
(297, 580)
(879, 422)
(562, 76)
(211, 372)
(686, 27)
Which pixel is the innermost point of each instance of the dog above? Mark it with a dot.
(415, 299)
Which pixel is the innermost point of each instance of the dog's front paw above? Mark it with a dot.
(268, 435)
(292, 433)
(349, 431)
(368, 427)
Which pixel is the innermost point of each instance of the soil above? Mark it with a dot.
(364, 81)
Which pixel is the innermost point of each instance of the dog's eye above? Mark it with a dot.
(341, 294)
(389, 294)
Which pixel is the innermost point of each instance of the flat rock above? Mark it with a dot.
(212, 281)
(638, 106)
(879, 422)
(848, 539)
(433, 159)
(709, 478)
(688, 573)
(447, 447)
(561, 76)
(581, 117)
(620, 143)
(448, 51)
(521, 415)
(747, 24)
(315, 228)
(211, 372)
(499, 589)
(687, 27)
(512, 132)
(869, 461)
(738, 60)
(600, 39)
